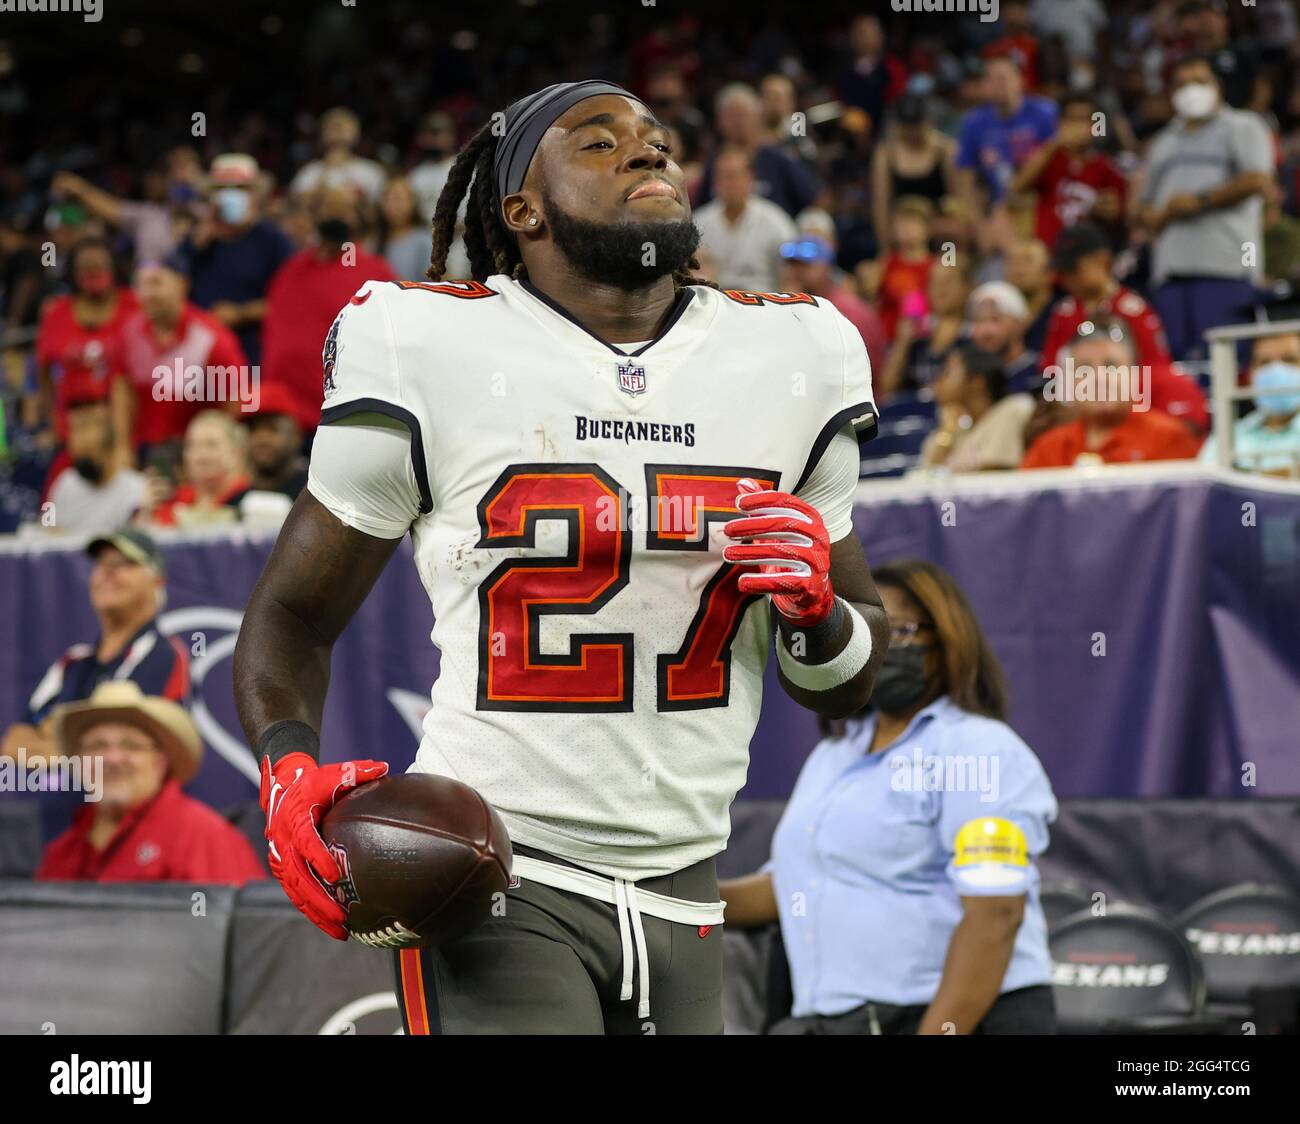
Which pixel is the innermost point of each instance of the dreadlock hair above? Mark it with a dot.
(492, 248)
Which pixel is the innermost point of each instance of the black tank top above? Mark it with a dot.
(928, 185)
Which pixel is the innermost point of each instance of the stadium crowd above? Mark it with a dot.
(972, 196)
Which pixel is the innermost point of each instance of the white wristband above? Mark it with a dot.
(838, 669)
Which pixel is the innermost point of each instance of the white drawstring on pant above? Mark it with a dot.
(629, 904)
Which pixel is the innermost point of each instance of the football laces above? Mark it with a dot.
(395, 935)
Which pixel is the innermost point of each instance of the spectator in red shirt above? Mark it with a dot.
(1017, 42)
(1111, 424)
(216, 475)
(906, 268)
(171, 334)
(306, 294)
(1075, 183)
(78, 344)
(1083, 263)
(142, 827)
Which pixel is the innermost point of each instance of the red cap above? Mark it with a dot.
(275, 398)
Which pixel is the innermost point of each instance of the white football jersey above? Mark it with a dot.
(601, 673)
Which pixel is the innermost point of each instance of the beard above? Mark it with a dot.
(627, 255)
(89, 469)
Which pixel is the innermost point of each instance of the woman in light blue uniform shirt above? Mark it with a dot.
(903, 871)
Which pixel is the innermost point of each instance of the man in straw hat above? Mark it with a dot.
(142, 827)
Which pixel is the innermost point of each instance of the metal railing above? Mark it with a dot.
(1225, 392)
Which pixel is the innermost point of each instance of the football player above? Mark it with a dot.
(619, 482)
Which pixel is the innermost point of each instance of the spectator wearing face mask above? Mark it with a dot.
(1267, 440)
(308, 292)
(906, 887)
(1202, 202)
(96, 492)
(78, 344)
(1239, 68)
(233, 252)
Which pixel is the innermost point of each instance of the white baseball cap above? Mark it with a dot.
(1005, 296)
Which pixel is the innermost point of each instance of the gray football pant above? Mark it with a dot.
(552, 963)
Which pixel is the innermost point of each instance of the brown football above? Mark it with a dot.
(421, 857)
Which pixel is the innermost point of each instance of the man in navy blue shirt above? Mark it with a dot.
(779, 177)
(234, 253)
(127, 585)
(995, 139)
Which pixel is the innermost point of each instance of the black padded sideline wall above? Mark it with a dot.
(79, 958)
(284, 976)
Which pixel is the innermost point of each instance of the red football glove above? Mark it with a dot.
(296, 793)
(790, 546)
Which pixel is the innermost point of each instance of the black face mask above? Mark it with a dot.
(89, 469)
(334, 232)
(901, 681)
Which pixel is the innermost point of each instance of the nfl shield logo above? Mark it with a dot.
(631, 378)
